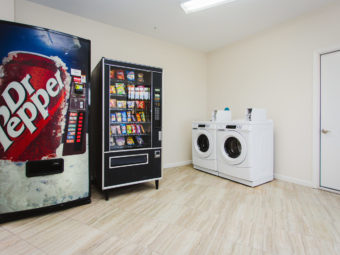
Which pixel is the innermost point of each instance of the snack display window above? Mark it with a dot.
(126, 124)
(130, 108)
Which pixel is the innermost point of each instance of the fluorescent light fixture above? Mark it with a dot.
(198, 5)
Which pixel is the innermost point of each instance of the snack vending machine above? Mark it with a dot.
(126, 129)
(44, 88)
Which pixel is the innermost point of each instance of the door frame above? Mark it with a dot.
(317, 115)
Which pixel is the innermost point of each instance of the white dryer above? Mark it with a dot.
(204, 146)
(245, 151)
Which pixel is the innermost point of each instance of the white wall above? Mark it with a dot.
(184, 69)
(7, 10)
(274, 70)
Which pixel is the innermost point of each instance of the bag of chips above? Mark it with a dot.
(112, 73)
(120, 141)
(130, 75)
(120, 88)
(121, 104)
(113, 103)
(139, 140)
(112, 89)
(130, 104)
(140, 104)
(129, 141)
(140, 77)
(113, 130)
(112, 141)
(120, 75)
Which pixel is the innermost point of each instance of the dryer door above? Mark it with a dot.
(203, 143)
(234, 148)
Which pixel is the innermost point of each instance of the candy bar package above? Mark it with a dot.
(124, 117)
(129, 141)
(142, 129)
(138, 117)
(131, 91)
(129, 116)
(112, 73)
(139, 140)
(130, 104)
(113, 103)
(133, 118)
(120, 141)
(128, 129)
(120, 75)
(119, 131)
(113, 117)
(112, 89)
(119, 116)
(123, 127)
(142, 116)
(134, 129)
(121, 104)
(120, 88)
(138, 131)
(140, 77)
(130, 75)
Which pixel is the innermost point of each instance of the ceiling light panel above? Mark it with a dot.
(199, 5)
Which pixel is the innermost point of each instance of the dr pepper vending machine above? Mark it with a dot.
(44, 88)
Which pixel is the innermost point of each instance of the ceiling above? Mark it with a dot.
(206, 30)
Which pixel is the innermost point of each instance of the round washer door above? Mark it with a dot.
(234, 148)
(203, 143)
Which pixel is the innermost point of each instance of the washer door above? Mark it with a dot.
(203, 143)
(234, 148)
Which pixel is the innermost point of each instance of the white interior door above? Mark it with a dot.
(330, 121)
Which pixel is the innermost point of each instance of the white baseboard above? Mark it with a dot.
(293, 180)
(176, 164)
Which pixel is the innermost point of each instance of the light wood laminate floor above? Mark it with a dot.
(192, 213)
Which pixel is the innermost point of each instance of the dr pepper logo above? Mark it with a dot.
(34, 91)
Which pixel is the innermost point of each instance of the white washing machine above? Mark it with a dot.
(245, 151)
(204, 146)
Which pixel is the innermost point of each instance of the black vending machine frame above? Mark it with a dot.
(11, 216)
(112, 168)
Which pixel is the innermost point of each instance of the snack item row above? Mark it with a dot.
(130, 75)
(127, 129)
(127, 116)
(121, 141)
(117, 89)
(138, 92)
(123, 104)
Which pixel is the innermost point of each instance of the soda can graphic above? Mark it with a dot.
(34, 91)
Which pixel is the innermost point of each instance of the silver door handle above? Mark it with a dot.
(325, 131)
